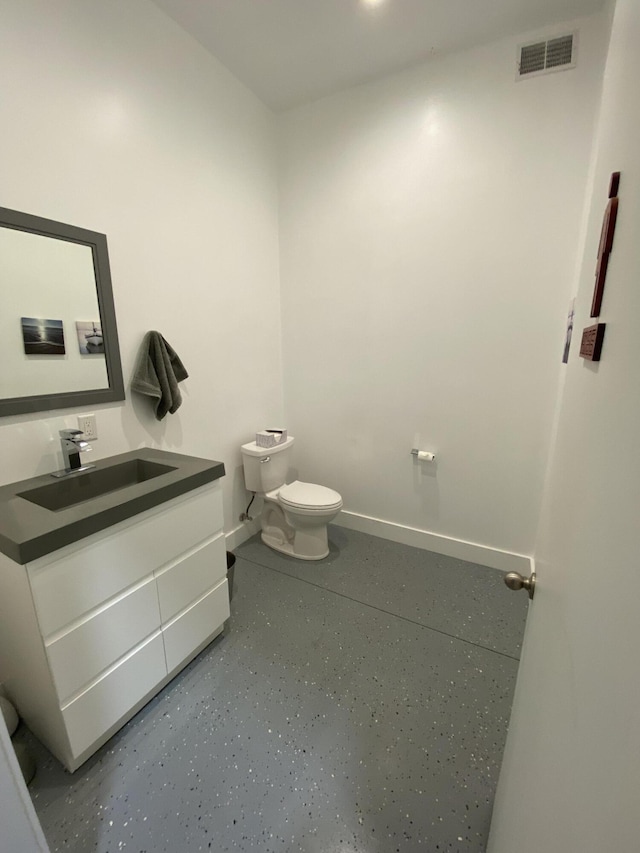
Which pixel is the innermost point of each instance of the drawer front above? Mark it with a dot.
(89, 716)
(80, 655)
(181, 584)
(202, 620)
(84, 575)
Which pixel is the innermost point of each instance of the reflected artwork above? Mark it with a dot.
(42, 337)
(90, 338)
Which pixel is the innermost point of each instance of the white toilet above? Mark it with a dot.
(295, 516)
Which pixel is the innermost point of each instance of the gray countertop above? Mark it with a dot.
(29, 531)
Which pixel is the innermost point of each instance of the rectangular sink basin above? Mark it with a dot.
(83, 487)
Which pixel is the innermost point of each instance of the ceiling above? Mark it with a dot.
(291, 51)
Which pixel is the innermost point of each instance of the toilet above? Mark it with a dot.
(295, 515)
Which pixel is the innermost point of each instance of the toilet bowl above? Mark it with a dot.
(295, 515)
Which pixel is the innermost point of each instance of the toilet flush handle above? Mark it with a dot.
(266, 459)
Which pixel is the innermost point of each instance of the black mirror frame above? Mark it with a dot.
(98, 243)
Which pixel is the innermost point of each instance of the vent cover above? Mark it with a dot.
(556, 54)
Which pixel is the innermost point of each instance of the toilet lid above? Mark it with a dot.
(308, 496)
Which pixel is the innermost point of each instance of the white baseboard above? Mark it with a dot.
(241, 533)
(493, 557)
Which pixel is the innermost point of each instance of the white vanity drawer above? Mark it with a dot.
(79, 656)
(182, 583)
(78, 578)
(100, 707)
(202, 620)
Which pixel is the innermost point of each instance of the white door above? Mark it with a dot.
(570, 781)
(19, 827)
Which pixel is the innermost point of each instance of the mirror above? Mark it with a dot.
(58, 336)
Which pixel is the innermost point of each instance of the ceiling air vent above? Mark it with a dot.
(543, 57)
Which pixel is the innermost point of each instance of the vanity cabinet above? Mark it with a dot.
(90, 632)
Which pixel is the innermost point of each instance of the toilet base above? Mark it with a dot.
(287, 548)
(281, 532)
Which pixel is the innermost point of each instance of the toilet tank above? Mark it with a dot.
(265, 468)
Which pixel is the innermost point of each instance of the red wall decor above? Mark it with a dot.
(606, 243)
(614, 184)
(591, 344)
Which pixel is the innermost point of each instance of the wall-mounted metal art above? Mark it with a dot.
(606, 244)
(593, 336)
(591, 344)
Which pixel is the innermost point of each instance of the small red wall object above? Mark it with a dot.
(591, 344)
(606, 243)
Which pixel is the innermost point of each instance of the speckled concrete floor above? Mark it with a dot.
(353, 706)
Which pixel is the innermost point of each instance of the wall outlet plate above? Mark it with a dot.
(87, 424)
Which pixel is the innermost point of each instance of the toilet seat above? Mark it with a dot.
(309, 496)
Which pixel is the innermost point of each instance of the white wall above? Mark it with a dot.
(429, 224)
(416, 312)
(113, 119)
(570, 778)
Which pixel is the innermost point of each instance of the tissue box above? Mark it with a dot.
(270, 437)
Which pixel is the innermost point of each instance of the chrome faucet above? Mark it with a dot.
(72, 446)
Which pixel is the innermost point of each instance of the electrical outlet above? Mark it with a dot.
(87, 424)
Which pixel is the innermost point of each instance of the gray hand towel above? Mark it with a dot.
(158, 371)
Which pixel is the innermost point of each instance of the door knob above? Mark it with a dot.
(514, 580)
